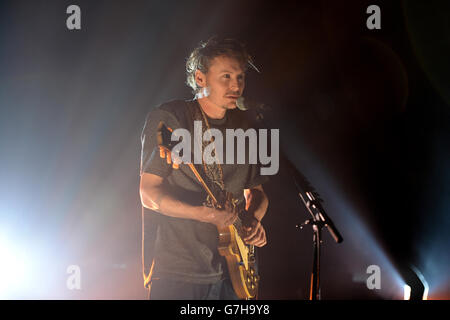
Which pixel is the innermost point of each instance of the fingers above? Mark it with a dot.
(255, 235)
(251, 233)
(261, 243)
(255, 225)
(259, 239)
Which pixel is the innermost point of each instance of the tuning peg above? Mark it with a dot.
(162, 152)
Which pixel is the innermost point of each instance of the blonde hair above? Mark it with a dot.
(201, 57)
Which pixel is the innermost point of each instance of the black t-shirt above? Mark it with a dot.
(186, 249)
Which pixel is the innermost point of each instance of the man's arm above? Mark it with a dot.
(154, 196)
(256, 205)
(256, 201)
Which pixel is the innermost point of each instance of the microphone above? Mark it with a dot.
(245, 104)
(257, 109)
(241, 104)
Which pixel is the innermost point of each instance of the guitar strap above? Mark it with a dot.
(213, 171)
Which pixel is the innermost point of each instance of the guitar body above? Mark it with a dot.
(240, 261)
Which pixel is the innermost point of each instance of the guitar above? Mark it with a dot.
(240, 257)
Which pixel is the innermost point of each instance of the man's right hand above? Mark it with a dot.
(220, 218)
(153, 193)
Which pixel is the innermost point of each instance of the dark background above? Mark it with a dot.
(363, 114)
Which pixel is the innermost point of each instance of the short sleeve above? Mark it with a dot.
(151, 162)
(255, 178)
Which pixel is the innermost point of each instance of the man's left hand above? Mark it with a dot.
(255, 234)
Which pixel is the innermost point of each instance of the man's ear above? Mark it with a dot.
(200, 78)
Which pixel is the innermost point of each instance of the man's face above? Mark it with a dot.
(224, 82)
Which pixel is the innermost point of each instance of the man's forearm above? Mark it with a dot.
(258, 203)
(160, 200)
(261, 210)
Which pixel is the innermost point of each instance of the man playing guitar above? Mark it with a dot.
(185, 262)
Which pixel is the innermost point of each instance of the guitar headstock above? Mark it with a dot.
(165, 143)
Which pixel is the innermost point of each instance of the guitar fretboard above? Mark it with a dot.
(238, 224)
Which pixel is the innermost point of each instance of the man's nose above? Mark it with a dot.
(235, 85)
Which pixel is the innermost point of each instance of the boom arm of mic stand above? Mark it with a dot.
(311, 200)
(322, 217)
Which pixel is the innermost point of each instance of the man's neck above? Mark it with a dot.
(212, 110)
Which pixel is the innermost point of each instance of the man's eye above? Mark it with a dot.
(226, 76)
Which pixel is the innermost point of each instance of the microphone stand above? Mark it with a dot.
(312, 202)
(318, 220)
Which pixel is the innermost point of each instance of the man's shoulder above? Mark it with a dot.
(173, 110)
(174, 107)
